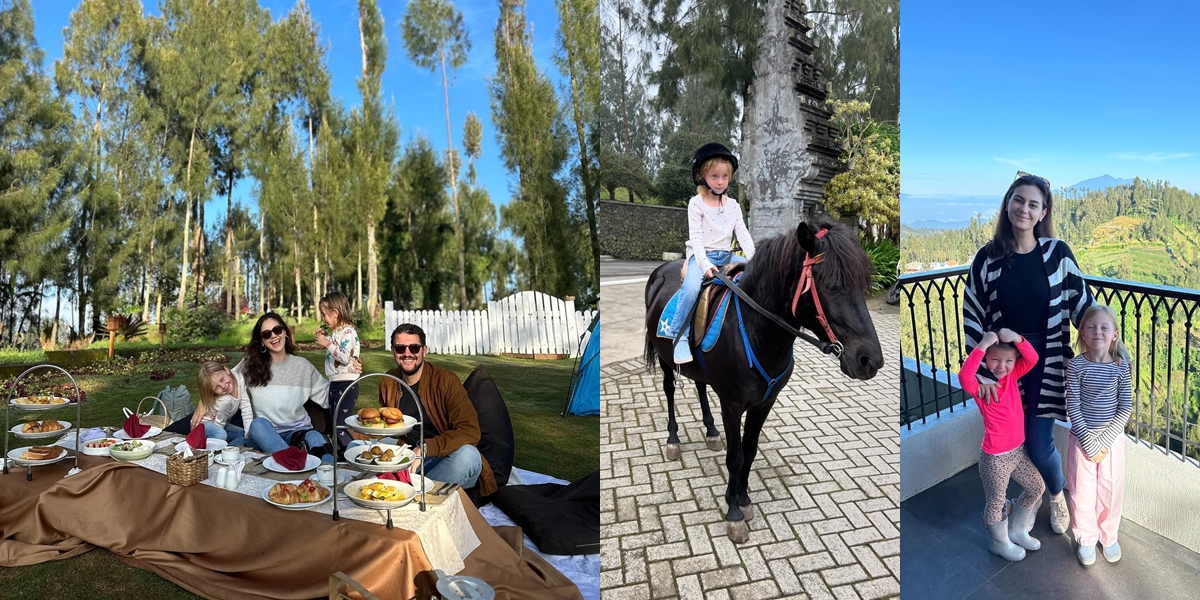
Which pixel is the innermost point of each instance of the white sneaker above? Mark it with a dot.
(1112, 553)
(1060, 515)
(682, 354)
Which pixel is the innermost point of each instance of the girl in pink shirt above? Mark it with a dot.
(1002, 455)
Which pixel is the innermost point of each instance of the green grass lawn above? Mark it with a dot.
(535, 392)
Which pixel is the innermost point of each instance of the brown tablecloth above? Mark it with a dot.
(222, 545)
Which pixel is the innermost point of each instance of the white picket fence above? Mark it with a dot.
(524, 323)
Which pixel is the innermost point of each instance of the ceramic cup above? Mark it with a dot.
(325, 474)
(230, 454)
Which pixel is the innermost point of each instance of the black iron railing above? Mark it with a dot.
(1156, 324)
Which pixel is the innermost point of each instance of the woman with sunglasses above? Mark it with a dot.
(279, 383)
(1027, 281)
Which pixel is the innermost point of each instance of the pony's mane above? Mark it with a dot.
(845, 264)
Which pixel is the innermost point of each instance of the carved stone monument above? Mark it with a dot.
(789, 148)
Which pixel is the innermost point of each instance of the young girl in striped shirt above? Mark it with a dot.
(1099, 402)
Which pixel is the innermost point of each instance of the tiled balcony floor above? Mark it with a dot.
(944, 555)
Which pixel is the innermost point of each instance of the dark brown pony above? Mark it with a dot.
(770, 279)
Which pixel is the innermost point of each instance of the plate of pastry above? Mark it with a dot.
(37, 455)
(40, 429)
(381, 421)
(297, 495)
(381, 458)
(39, 402)
(379, 493)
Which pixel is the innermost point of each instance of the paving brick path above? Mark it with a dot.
(825, 486)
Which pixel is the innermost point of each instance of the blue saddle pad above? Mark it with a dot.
(714, 325)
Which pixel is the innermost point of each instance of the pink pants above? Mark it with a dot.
(1097, 491)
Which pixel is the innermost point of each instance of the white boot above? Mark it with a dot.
(1000, 544)
(1017, 531)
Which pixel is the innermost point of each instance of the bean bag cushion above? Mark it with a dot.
(495, 428)
(560, 519)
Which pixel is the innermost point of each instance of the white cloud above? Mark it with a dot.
(1152, 157)
(1018, 162)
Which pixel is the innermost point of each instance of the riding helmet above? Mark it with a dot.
(707, 151)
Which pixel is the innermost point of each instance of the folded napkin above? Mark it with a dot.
(88, 435)
(291, 458)
(402, 476)
(134, 428)
(197, 438)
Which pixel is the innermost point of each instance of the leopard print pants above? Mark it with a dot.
(995, 471)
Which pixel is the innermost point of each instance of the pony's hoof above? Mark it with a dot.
(738, 531)
(747, 512)
(714, 443)
(673, 452)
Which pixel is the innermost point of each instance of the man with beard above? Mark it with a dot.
(451, 423)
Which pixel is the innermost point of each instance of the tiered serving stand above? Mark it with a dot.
(376, 431)
(9, 407)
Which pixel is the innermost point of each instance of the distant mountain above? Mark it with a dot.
(1100, 183)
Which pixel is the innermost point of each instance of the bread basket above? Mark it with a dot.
(186, 472)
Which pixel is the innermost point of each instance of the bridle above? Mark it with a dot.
(806, 284)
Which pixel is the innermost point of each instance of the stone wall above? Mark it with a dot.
(631, 231)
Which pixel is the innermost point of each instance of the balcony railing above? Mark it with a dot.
(1156, 325)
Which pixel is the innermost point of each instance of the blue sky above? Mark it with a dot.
(416, 93)
(1065, 90)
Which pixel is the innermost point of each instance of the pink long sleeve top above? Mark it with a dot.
(1004, 418)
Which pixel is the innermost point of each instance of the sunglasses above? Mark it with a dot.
(267, 334)
(413, 349)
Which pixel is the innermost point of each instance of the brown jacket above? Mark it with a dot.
(449, 409)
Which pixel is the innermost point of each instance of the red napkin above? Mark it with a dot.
(402, 477)
(197, 438)
(134, 428)
(291, 458)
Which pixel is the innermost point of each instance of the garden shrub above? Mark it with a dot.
(194, 325)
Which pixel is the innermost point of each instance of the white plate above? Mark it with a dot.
(298, 505)
(121, 435)
(15, 454)
(399, 465)
(311, 462)
(96, 451)
(409, 423)
(353, 487)
(33, 436)
(24, 406)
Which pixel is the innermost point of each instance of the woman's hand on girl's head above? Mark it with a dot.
(1009, 336)
(989, 338)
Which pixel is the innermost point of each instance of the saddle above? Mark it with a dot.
(711, 306)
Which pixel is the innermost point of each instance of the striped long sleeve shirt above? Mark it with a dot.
(1099, 402)
(1069, 298)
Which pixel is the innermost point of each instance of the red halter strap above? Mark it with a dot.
(807, 284)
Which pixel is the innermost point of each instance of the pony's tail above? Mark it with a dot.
(650, 354)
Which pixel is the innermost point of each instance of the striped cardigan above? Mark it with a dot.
(1069, 298)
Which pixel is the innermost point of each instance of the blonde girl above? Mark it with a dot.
(713, 221)
(1099, 402)
(222, 394)
(340, 340)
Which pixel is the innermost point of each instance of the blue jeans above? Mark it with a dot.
(461, 466)
(236, 436)
(691, 289)
(1039, 431)
(264, 437)
(335, 392)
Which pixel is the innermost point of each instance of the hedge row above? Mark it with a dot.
(641, 231)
